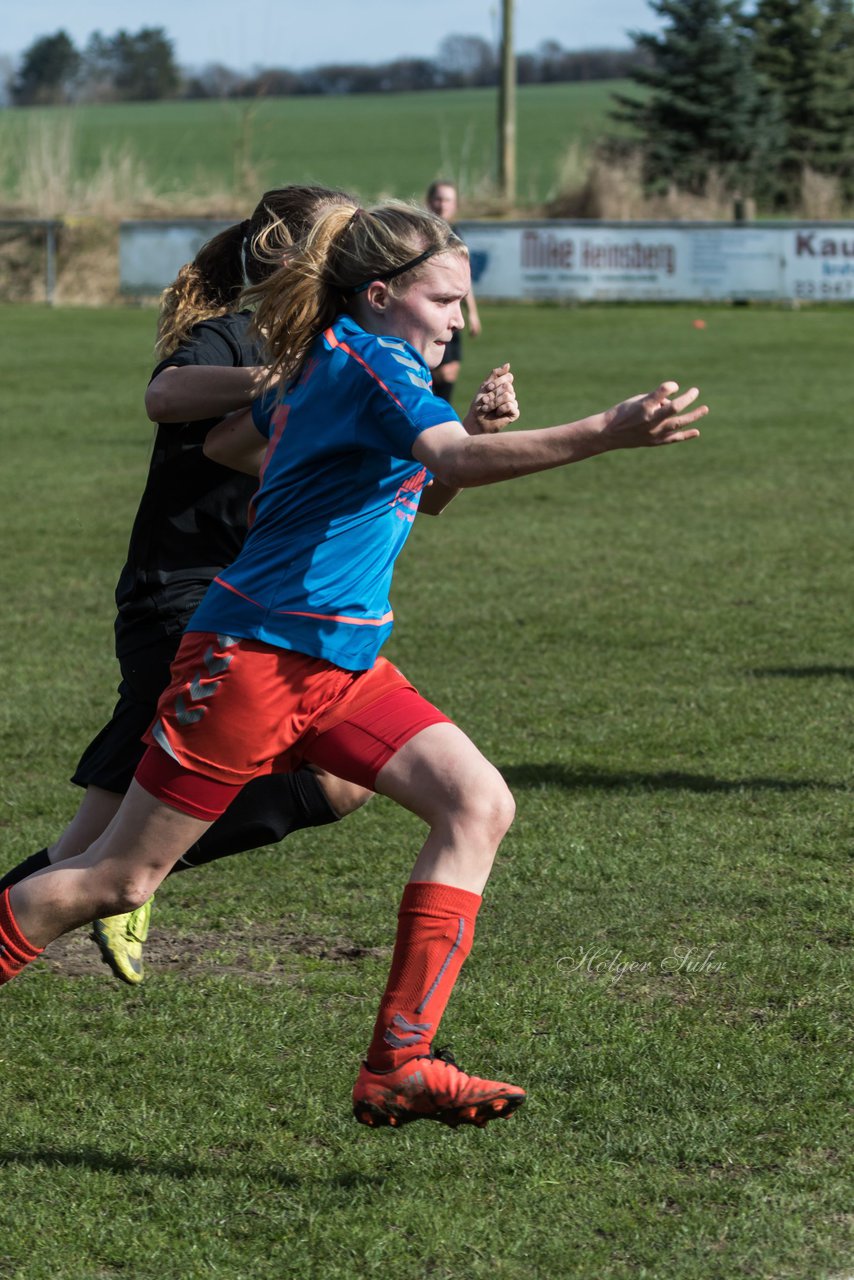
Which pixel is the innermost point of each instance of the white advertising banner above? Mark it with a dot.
(589, 261)
(625, 261)
(819, 263)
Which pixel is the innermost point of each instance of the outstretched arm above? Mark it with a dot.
(191, 393)
(493, 408)
(462, 461)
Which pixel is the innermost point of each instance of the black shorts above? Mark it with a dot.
(111, 758)
(454, 349)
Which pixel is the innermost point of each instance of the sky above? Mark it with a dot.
(286, 33)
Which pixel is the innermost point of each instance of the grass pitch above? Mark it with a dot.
(654, 649)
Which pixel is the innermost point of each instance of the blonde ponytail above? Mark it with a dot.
(241, 255)
(299, 300)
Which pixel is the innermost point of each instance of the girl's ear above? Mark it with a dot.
(376, 295)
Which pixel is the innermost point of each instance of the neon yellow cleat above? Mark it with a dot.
(120, 940)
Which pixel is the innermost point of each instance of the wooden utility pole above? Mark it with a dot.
(507, 109)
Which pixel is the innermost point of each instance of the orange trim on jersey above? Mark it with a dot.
(279, 418)
(221, 583)
(337, 617)
(333, 342)
(296, 613)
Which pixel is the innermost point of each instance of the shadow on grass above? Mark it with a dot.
(803, 673)
(101, 1162)
(593, 779)
(350, 1180)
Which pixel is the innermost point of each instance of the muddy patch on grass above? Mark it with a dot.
(249, 953)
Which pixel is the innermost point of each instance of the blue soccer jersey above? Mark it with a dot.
(338, 496)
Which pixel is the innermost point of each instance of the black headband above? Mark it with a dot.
(398, 271)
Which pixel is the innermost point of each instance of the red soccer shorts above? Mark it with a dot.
(237, 709)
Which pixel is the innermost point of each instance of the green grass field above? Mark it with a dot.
(373, 144)
(654, 648)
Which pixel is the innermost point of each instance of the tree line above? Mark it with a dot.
(122, 67)
(754, 98)
(745, 93)
(141, 66)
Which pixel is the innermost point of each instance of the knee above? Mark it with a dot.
(503, 808)
(124, 896)
(137, 894)
(488, 807)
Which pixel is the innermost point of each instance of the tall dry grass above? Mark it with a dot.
(821, 197)
(592, 185)
(42, 179)
(462, 161)
(45, 167)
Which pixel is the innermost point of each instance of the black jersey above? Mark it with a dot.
(192, 519)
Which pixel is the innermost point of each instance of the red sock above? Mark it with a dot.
(15, 950)
(435, 930)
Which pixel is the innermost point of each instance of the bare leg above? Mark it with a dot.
(96, 812)
(343, 797)
(118, 873)
(98, 808)
(442, 777)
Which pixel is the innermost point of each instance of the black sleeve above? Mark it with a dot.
(220, 341)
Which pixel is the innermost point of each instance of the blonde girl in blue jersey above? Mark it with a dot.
(354, 325)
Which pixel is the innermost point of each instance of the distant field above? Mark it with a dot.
(655, 649)
(374, 144)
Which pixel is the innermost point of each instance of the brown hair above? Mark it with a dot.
(344, 251)
(243, 254)
(433, 189)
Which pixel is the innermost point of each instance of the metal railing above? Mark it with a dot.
(50, 227)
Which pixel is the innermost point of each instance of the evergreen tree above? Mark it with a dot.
(704, 109)
(47, 71)
(838, 90)
(132, 67)
(789, 58)
(146, 66)
(803, 53)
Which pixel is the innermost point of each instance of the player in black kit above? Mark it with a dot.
(191, 523)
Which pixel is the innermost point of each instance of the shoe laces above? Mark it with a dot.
(137, 920)
(443, 1054)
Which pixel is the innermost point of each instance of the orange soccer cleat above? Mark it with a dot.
(431, 1087)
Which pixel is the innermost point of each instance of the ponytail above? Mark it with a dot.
(242, 255)
(206, 287)
(299, 300)
(346, 249)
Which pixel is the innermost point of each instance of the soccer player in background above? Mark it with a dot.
(442, 200)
